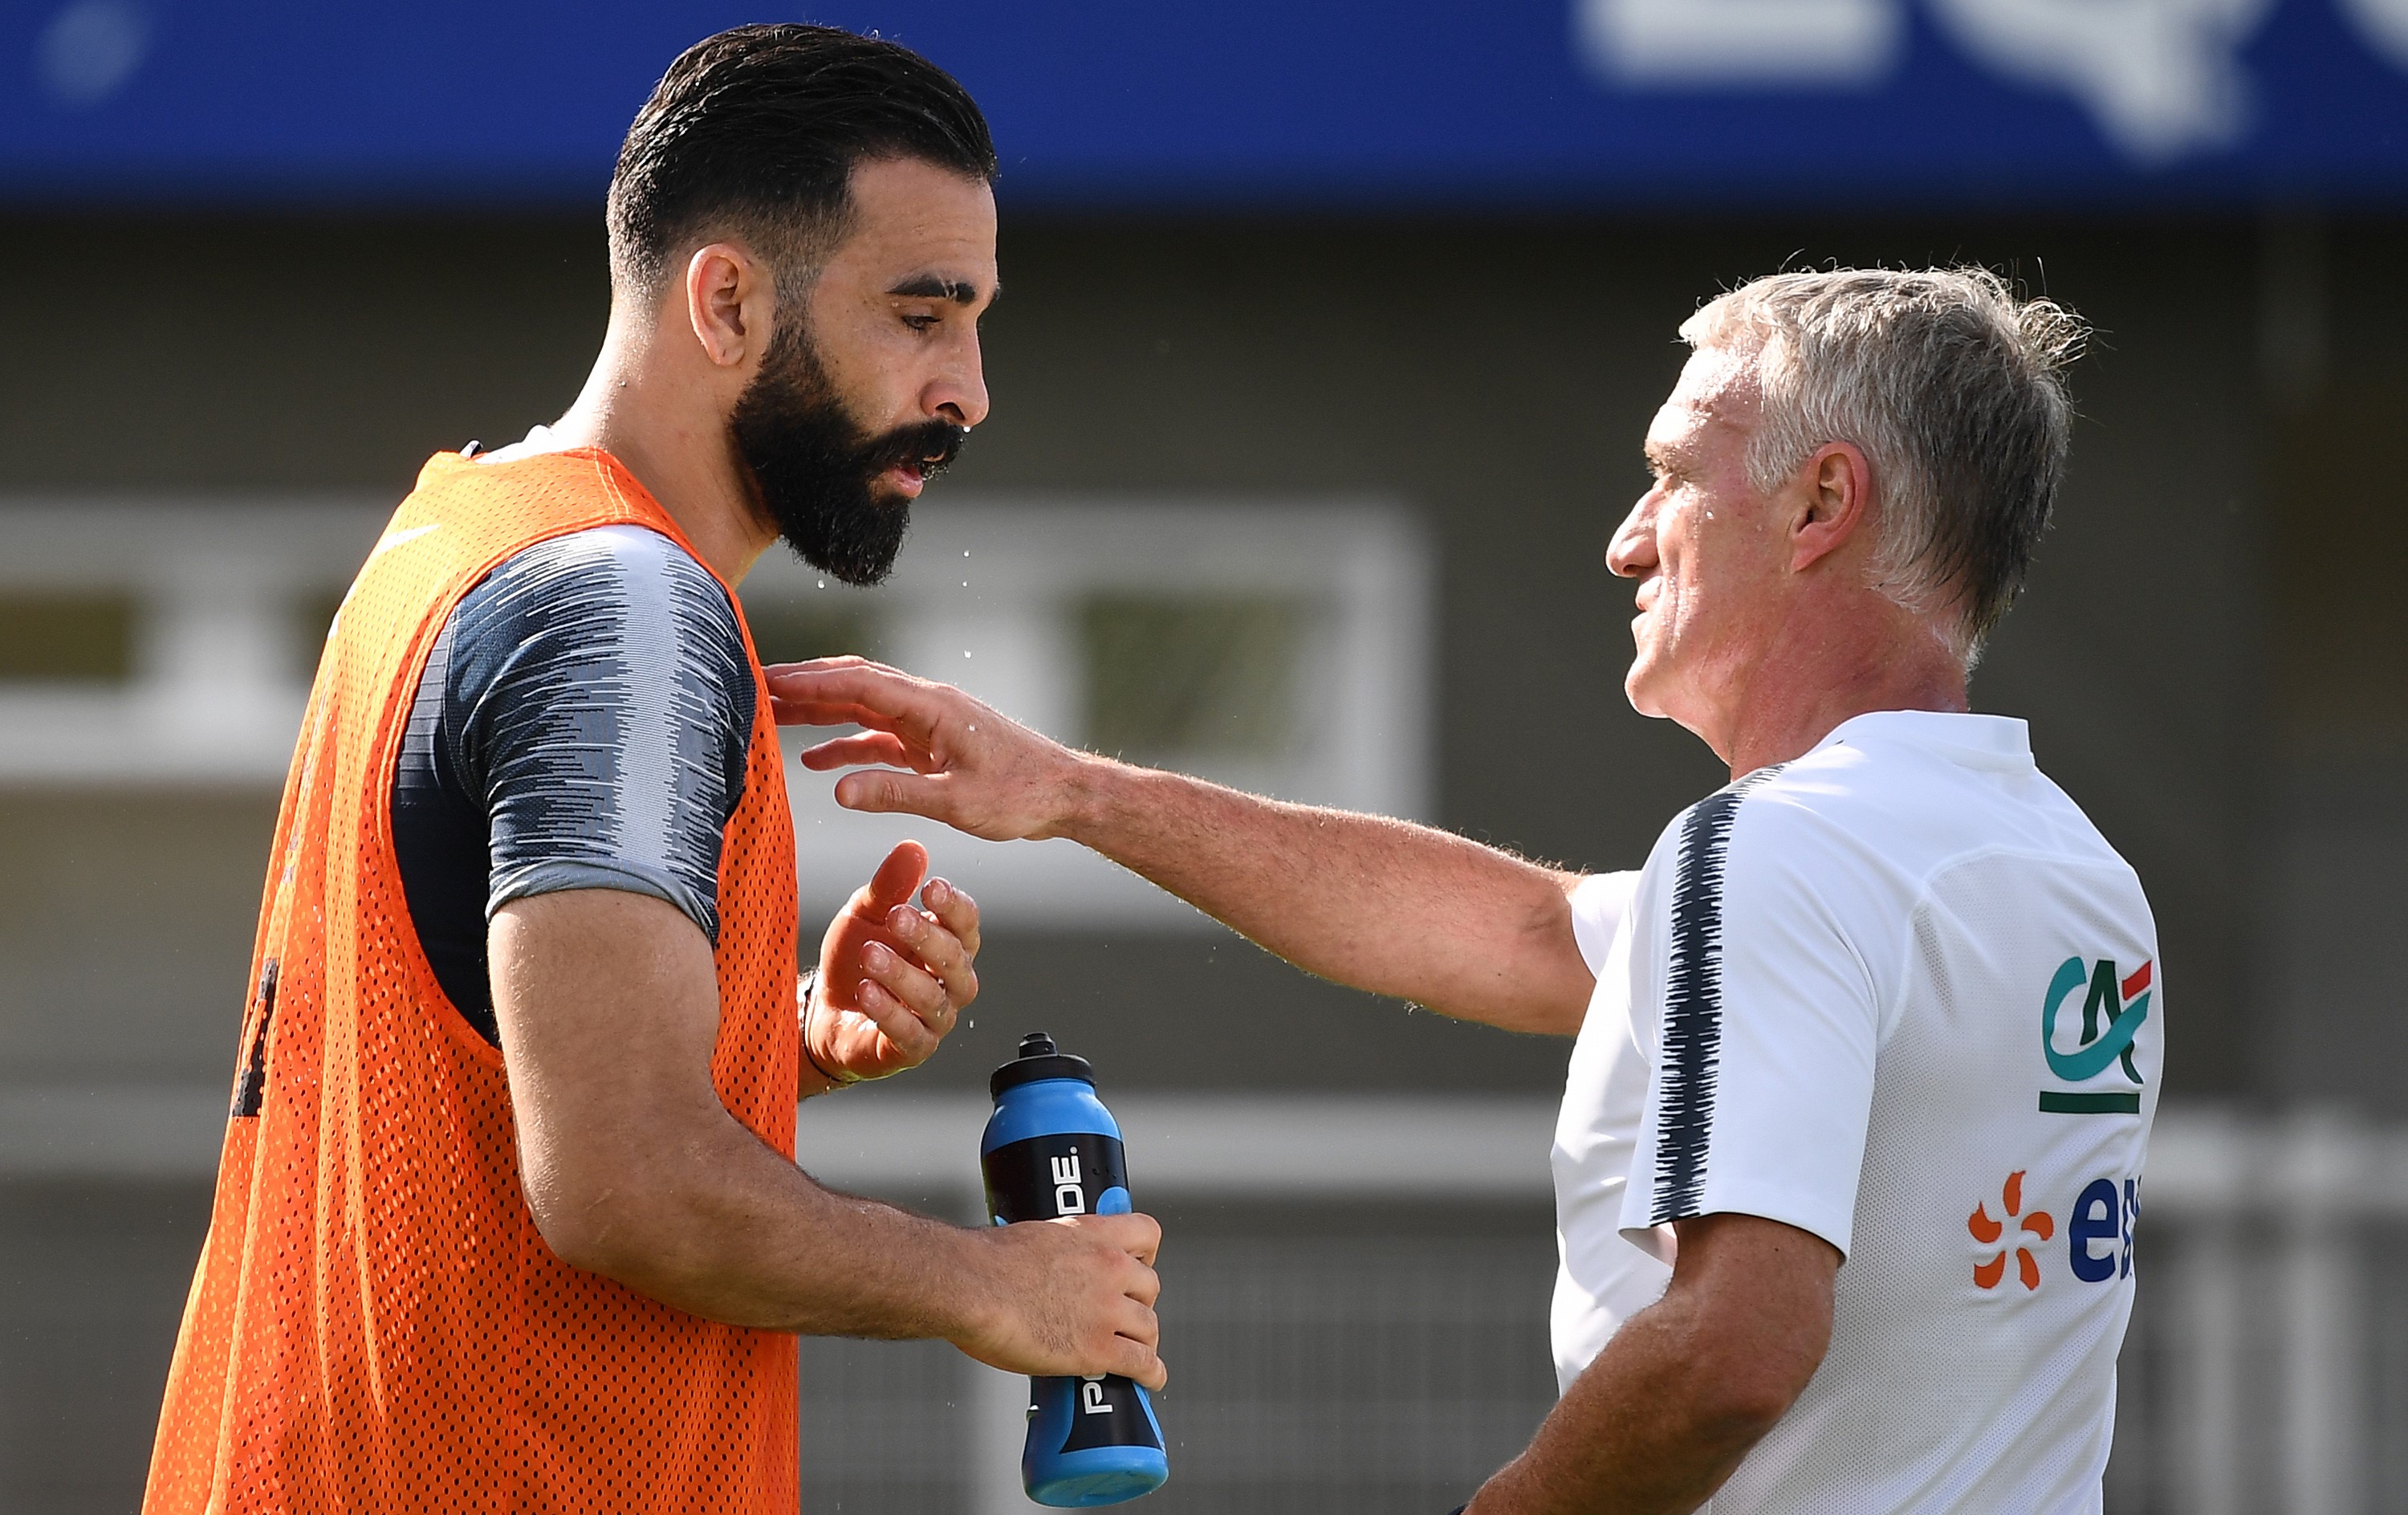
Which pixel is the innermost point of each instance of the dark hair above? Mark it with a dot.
(757, 132)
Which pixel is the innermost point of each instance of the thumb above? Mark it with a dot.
(898, 876)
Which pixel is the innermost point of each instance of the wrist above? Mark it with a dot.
(809, 1082)
(973, 1299)
(811, 1075)
(1085, 796)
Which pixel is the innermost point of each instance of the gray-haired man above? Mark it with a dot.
(1866, 1054)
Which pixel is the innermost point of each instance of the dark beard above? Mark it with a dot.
(817, 473)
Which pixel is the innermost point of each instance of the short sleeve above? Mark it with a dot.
(601, 704)
(1764, 1027)
(1600, 912)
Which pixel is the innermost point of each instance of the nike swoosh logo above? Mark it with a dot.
(392, 540)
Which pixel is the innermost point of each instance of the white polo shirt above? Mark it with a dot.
(1901, 994)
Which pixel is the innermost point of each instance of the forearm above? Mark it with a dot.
(722, 1227)
(1688, 1385)
(707, 1219)
(1378, 903)
(1631, 1437)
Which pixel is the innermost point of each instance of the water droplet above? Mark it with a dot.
(822, 584)
(966, 584)
(966, 552)
(965, 652)
(973, 728)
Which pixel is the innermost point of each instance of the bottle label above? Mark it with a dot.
(1067, 1173)
(1104, 1412)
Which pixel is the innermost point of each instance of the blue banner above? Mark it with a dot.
(1542, 103)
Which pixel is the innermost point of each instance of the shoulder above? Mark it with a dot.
(1912, 801)
(1903, 808)
(1849, 841)
(1775, 816)
(613, 624)
(617, 572)
(619, 591)
(1790, 865)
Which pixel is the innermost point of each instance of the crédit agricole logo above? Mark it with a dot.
(2112, 1016)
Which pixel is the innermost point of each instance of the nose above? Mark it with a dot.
(958, 395)
(1631, 553)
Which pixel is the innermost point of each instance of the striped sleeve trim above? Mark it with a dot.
(1691, 1051)
(608, 702)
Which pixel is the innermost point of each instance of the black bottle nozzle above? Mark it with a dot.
(1039, 1058)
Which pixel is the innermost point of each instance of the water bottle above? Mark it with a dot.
(1052, 1150)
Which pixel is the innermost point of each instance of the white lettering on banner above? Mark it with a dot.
(1823, 43)
(1069, 1197)
(2385, 25)
(2161, 77)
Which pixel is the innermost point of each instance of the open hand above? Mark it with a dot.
(970, 768)
(893, 978)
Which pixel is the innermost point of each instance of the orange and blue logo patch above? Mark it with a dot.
(2030, 1231)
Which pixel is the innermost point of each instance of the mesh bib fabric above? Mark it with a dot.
(376, 1324)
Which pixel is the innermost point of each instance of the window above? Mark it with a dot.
(66, 636)
(1169, 677)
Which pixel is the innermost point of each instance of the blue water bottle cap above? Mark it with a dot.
(1039, 1058)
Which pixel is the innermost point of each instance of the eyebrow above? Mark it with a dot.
(934, 286)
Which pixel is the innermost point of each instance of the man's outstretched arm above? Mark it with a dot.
(1381, 904)
(634, 1169)
(1688, 1385)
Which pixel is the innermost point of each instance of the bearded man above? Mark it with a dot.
(508, 1216)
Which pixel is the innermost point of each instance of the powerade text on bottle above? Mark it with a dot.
(1052, 1149)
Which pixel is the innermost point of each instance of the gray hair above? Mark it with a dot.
(1955, 391)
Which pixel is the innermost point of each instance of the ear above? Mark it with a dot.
(1838, 488)
(730, 300)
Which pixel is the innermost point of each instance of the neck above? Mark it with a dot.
(666, 431)
(1813, 678)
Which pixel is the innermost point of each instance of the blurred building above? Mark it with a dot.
(1330, 338)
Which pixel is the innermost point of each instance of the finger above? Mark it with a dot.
(854, 751)
(898, 876)
(940, 951)
(955, 911)
(882, 791)
(1138, 1323)
(812, 664)
(774, 671)
(1144, 1286)
(899, 696)
(895, 1021)
(829, 713)
(817, 665)
(926, 996)
(1132, 1360)
(1136, 1234)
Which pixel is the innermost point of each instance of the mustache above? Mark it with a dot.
(929, 446)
